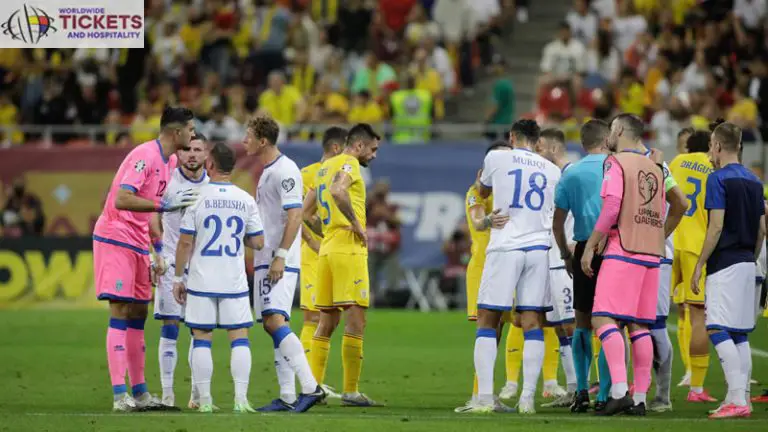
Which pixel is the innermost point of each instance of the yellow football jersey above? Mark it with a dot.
(308, 175)
(691, 170)
(337, 236)
(480, 239)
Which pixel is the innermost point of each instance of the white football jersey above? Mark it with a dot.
(523, 184)
(280, 189)
(172, 220)
(220, 220)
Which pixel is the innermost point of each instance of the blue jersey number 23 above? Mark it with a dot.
(534, 198)
(213, 247)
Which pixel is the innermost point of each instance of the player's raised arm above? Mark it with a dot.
(311, 219)
(340, 193)
(483, 181)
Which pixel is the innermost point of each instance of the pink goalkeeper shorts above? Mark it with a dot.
(121, 274)
(626, 291)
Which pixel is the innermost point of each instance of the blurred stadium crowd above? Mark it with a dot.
(302, 61)
(676, 63)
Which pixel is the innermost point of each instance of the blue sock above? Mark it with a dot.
(605, 378)
(582, 356)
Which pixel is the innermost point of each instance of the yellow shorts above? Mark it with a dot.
(474, 273)
(309, 283)
(342, 280)
(683, 265)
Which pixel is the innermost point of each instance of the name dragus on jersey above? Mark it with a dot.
(695, 166)
(224, 204)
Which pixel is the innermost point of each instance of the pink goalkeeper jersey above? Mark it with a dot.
(146, 172)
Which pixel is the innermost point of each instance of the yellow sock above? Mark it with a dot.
(699, 366)
(514, 357)
(551, 355)
(596, 353)
(307, 332)
(684, 341)
(318, 357)
(352, 360)
(474, 387)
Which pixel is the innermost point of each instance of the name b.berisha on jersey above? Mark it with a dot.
(225, 204)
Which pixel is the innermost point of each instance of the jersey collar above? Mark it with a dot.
(273, 162)
(160, 148)
(202, 177)
(220, 183)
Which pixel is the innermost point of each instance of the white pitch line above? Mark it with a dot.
(756, 352)
(394, 416)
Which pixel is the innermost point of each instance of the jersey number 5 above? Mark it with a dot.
(535, 190)
(213, 247)
(693, 206)
(324, 204)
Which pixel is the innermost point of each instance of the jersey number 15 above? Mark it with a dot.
(324, 204)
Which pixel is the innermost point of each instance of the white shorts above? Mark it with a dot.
(208, 313)
(730, 298)
(665, 283)
(519, 278)
(561, 294)
(271, 299)
(166, 307)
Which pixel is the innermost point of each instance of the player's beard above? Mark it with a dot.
(193, 168)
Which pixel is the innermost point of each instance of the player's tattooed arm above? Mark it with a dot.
(678, 205)
(311, 219)
(340, 194)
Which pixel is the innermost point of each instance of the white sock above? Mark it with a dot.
(731, 362)
(285, 378)
(168, 356)
(566, 359)
(638, 398)
(194, 395)
(293, 353)
(533, 358)
(745, 355)
(240, 366)
(662, 353)
(619, 390)
(485, 359)
(202, 365)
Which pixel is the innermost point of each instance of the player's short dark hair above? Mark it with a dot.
(685, 131)
(199, 137)
(698, 142)
(175, 116)
(594, 133)
(264, 127)
(555, 135)
(496, 145)
(527, 130)
(729, 136)
(334, 135)
(361, 131)
(633, 125)
(224, 158)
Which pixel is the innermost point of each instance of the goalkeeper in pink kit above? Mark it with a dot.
(121, 262)
(634, 221)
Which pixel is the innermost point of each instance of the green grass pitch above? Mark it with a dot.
(53, 377)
